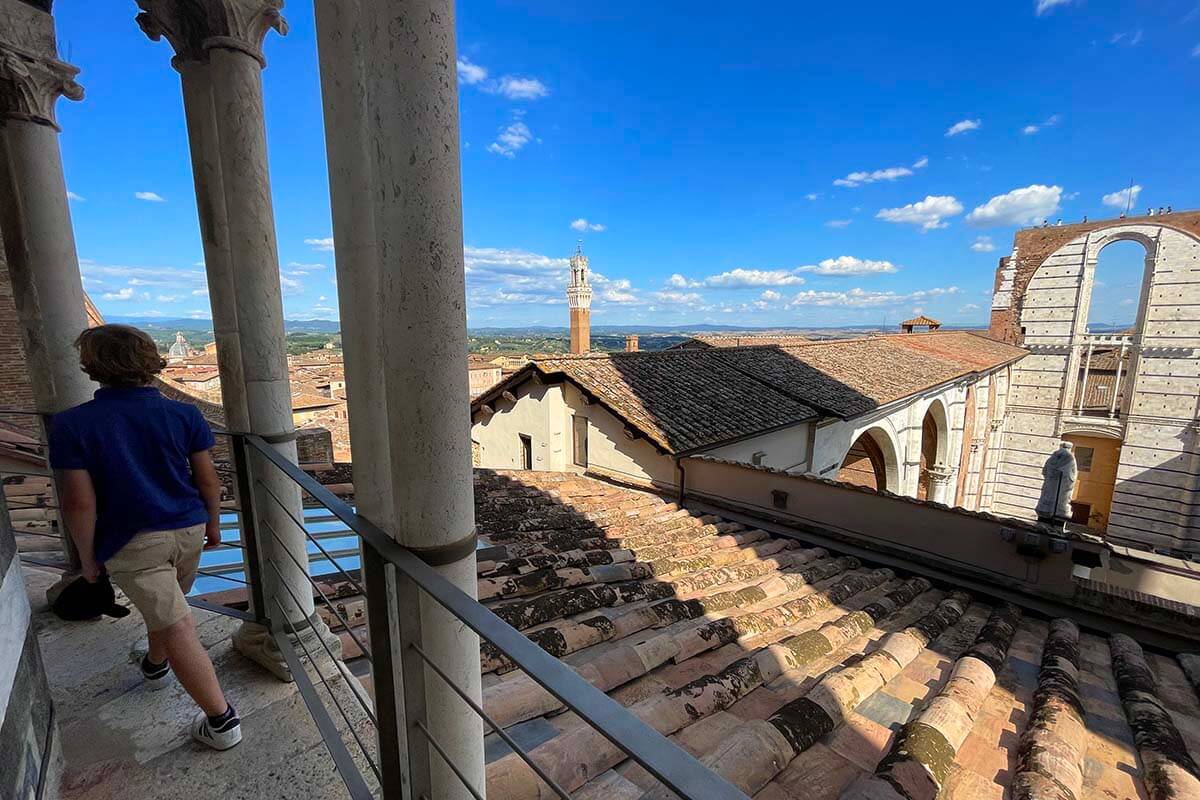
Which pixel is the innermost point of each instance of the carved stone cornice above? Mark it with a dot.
(30, 85)
(194, 27)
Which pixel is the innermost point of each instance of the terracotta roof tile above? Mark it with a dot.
(795, 672)
(734, 340)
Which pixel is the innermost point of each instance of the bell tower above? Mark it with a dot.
(579, 300)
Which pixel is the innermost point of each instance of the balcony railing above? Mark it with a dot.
(342, 544)
(1102, 387)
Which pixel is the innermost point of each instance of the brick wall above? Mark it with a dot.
(15, 389)
(1035, 245)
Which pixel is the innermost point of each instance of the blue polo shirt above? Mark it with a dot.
(135, 445)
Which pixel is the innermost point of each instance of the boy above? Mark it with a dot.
(141, 499)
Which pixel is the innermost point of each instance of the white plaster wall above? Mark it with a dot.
(611, 451)
(538, 413)
(785, 449)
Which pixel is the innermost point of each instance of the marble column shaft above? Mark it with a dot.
(413, 138)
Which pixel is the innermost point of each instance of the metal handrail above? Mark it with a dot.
(662, 758)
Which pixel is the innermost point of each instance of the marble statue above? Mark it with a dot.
(1058, 480)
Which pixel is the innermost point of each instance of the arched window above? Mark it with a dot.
(1117, 288)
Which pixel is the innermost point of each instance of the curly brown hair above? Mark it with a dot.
(120, 356)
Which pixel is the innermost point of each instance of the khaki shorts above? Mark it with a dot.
(156, 570)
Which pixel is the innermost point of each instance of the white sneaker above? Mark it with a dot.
(156, 676)
(220, 737)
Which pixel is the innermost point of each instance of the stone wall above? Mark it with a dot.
(25, 707)
(1155, 499)
(1033, 246)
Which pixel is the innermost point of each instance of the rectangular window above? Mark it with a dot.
(580, 431)
(526, 451)
(1083, 458)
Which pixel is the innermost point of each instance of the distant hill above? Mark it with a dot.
(205, 325)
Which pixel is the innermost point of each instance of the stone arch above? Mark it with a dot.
(1096, 245)
(872, 461)
(935, 443)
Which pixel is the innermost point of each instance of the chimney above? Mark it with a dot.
(631, 343)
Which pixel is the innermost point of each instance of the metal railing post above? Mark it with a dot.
(384, 632)
(248, 519)
(406, 605)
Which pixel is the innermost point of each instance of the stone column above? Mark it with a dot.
(35, 215)
(218, 49)
(340, 42)
(941, 478)
(413, 136)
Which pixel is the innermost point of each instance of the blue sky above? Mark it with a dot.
(842, 164)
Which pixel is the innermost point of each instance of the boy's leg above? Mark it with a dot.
(192, 666)
(152, 571)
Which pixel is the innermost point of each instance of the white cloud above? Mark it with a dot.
(515, 87)
(171, 278)
(678, 298)
(1128, 38)
(812, 196)
(120, 294)
(470, 73)
(752, 278)
(849, 265)
(620, 291)
(1019, 207)
(511, 139)
(983, 244)
(968, 307)
(325, 244)
(838, 223)
(929, 213)
(855, 179)
(963, 126)
(582, 224)
(77, 198)
(770, 296)
(1050, 122)
(290, 286)
(921, 163)
(200, 292)
(169, 298)
(860, 298)
(677, 281)
(1045, 6)
(150, 197)
(1196, 51)
(1123, 198)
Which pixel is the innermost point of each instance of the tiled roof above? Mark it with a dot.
(797, 672)
(733, 340)
(303, 401)
(686, 399)
(848, 377)
(921, 320)
(680, 399)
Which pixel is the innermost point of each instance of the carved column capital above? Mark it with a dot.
(30, 85)
(194, 27)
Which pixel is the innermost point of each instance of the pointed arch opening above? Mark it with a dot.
(871, 461)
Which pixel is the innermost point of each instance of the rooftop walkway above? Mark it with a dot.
(119, 740)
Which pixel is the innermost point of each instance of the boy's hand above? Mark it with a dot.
(90, 571)
(212, 535)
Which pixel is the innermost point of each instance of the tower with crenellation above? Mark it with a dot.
(579, 300)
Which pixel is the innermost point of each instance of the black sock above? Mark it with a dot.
(150, 668)
(220, 721)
